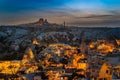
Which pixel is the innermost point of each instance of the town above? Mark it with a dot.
(45, 51)
(98, 60)
(59, 39)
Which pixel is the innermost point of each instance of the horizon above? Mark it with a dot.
(73, 12)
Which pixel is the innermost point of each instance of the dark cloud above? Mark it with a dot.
(98, 16)
(98, 20)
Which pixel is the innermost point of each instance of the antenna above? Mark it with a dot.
(64, 24)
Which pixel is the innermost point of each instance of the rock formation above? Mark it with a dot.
(28, 56)
(41, 22)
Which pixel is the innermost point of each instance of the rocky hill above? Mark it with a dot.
(17, 38)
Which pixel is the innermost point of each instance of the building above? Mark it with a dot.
(117, 71)
(101, 71)
(82, 64)
(28, 56)
(35, 41)
(41, 22)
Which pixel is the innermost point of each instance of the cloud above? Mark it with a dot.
(58, 11)
(59, 15)
(98, 20)
(11, 6)
(53, 15)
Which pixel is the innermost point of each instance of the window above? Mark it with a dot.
(101, 79)
(107, 71)
(105, 78)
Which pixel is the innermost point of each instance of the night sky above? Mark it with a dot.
(73, 12)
